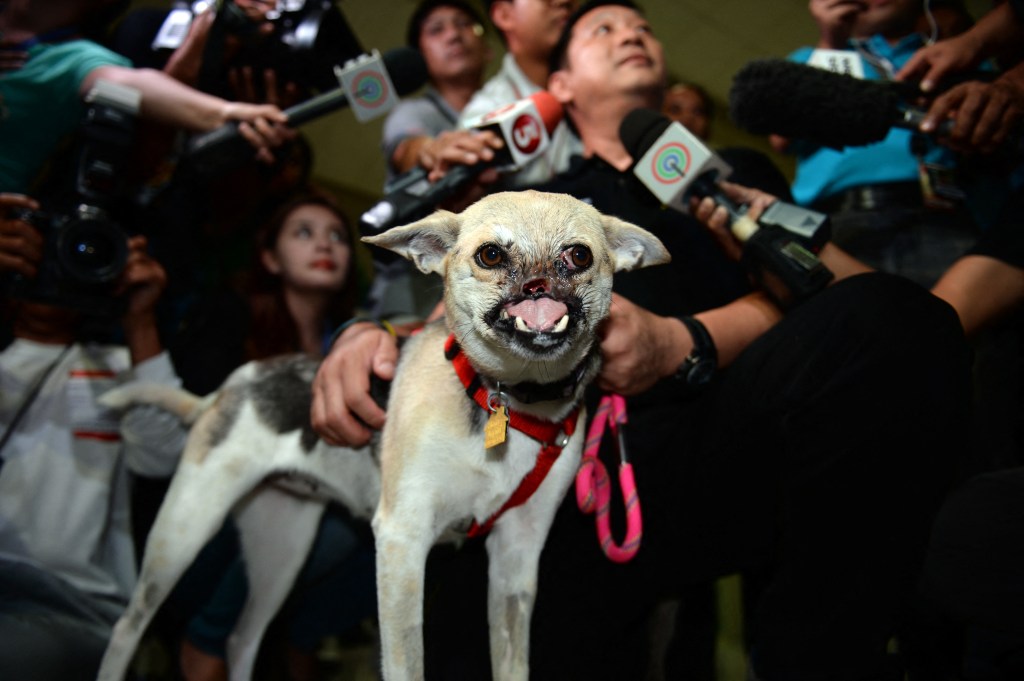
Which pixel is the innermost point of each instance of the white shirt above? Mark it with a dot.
(507, 86)
(65, 484)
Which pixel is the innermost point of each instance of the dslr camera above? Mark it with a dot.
(309, 39)
(85, 248)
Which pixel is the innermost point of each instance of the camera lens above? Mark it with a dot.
(92, 251)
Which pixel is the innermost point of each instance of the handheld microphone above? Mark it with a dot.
(670, 160)
(369, 86)
(775, 96)
(525, 127)
(777, 249)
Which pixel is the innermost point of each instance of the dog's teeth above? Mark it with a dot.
(504, 314)
(521, 325)
(562, 324)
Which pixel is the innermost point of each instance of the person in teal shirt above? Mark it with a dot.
(41, 104)
(47, 66)
(901, 205)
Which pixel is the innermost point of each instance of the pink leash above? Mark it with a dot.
(593, 488)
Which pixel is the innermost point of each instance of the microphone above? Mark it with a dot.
(524, 126)
(370, 87)
(778, 249)
(776, 96)
(673, 163)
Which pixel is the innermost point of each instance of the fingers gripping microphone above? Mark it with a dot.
(525, 127)
(777, 249)
(370, 85)
(775, 96)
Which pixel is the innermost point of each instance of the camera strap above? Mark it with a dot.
(30, 397)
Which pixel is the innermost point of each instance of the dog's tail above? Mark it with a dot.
(183, 404)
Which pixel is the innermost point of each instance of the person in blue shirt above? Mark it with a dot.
(898, 204)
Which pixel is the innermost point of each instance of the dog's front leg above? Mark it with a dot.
(402, 543)
(276, 531)
(513, 559)
(513, 553)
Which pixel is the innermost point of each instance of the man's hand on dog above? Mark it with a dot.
(639, 348)
(344, 412)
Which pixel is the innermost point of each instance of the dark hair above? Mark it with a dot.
(423, 10)
(99, 22)
(272, 330)
(556, 61)
(709, 104)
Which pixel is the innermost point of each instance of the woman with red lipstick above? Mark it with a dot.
(303, 283)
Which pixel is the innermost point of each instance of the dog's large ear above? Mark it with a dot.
(425, 242)
(633, 247)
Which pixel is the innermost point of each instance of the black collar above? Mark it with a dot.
(529, 392)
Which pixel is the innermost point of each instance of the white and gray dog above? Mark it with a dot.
(481, 433)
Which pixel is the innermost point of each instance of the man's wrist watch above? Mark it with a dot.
(700, 365)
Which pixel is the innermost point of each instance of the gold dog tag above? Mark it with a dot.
(496, 429)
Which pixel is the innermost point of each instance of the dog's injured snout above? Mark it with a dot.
(536, 287)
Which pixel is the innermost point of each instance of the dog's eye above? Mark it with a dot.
(578, 257)
(490, 256)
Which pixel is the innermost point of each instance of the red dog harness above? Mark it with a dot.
(552, 436)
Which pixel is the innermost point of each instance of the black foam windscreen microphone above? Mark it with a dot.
(222, 149)
(775, 96)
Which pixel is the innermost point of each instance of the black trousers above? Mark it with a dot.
(974, 572)
(818, 459)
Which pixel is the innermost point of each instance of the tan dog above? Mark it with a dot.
(481, 431)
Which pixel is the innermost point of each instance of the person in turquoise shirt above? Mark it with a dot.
(47, 66)
(41, 103)
(892, 203)
(823, 171)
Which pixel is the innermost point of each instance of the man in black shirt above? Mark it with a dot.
(816, 454)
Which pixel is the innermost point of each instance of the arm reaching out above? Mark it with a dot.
(998, 29)
(165, 100)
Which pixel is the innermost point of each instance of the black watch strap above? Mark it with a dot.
(700, 365)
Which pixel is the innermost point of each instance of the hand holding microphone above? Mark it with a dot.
(454, 148)
(775, 96)
(978, 116)
(719, 218)
(523, 130)
(776, 241)
(370, 85)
